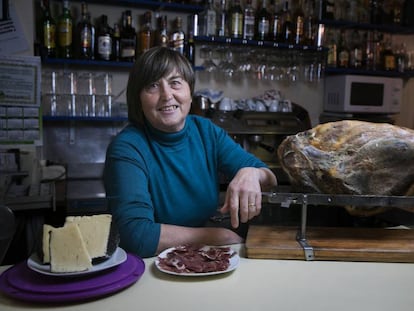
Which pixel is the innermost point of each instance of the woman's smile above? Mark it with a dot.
(169, 108)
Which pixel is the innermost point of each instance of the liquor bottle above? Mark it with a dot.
(407, 18)
(387, 12)
(177, 36)
(128, 39)
(396, 13)
(331, 60)
(326, 9)
(343, 51)
(161, 35)
(388, 57)
(369, 53)
(378, 50)
(190, 48)
(116, 43)
(222, 29)
(83, 44)
(93, 38)
(298, 23)
(236, 20)
(104, 39)
(64, 32)
(262, 22)
(401, 58)
(146, 34)
(376, 12)
(48, 31)
(355, 57)
(275, 31)
(309, 28)
(287, 26)
(210, 23)
(249, 21)
(352, 9)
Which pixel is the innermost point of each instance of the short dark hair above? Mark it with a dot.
(151, 66)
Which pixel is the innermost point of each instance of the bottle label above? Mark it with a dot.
(211, 23)
(331, 59)
(163, 40)
(222, 25)
(236, 25)
(105, 47)
(86, 38)
(127, 48)
(356, 57)
(65, 33)
(145, 42)
(248, 30)
(389, 62)
(275, 28)
(177, 43)
(49, 36)
(263, 27)
(343, 59)
(299, 28)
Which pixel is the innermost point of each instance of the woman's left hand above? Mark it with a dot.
(244, 196)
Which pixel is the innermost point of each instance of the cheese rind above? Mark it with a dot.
(68, 252)
(45, 243)
(95, 232)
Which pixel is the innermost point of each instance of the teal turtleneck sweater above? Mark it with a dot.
(153, 177)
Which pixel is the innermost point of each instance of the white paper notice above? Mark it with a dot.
(12, 39)
(20, 112)
(20, 80)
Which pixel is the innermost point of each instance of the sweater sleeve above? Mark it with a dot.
(126, 185)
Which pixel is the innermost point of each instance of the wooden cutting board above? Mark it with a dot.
(345, 244)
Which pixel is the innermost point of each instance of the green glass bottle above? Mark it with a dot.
(236, 20)
(65, 28)
(48, 31)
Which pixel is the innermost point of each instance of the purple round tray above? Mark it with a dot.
(22, 283)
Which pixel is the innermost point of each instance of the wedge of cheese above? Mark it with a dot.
(95, 232)
(68, 252)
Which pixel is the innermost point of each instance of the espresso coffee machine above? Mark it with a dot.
(260, 133)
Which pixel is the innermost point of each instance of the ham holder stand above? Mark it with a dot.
(332, 243)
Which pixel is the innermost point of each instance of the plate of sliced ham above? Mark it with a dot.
(190, 260)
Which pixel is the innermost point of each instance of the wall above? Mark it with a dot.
(308, 96)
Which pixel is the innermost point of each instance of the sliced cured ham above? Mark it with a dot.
(196, 259)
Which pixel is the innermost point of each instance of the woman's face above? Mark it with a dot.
(167, 102)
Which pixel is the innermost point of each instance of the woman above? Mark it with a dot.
(162, 171)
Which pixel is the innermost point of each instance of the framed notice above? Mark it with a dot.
(20, 79)
(20, 115)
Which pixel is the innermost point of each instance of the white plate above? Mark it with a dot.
(118, 257)
(234, 263)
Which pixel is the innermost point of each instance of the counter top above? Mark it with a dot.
(260, 284)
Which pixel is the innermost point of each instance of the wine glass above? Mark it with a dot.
(227, 65)
(208, 63)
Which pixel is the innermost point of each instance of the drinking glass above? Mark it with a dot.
(227, 65)
(208, 64)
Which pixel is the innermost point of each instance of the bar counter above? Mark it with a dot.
(258, 284)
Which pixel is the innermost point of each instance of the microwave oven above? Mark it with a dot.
(362, 94)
